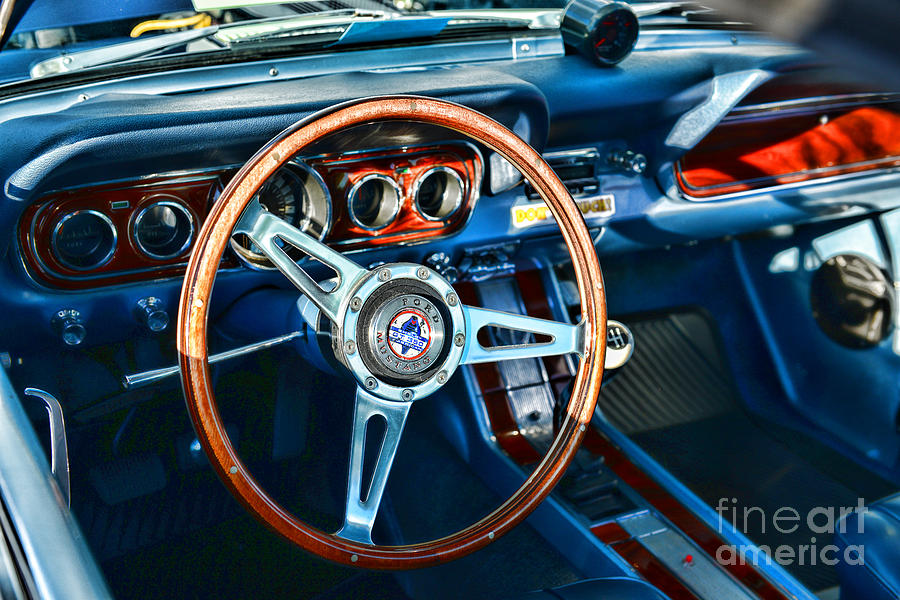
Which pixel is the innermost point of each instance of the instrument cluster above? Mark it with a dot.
(138, 230)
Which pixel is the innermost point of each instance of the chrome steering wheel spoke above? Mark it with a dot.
(564, 337)
(265, 229)
(364, 498)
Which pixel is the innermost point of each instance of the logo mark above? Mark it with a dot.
(409, 334)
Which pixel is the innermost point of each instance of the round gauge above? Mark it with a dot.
(614, 36)
(438, 193)
(374, 201)
(605, 32)
(84, 240)
(163, 229)
(297, 194)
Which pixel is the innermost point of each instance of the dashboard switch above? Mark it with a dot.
(440, 262)
(630, 162)
(151, 312)
(68, 324)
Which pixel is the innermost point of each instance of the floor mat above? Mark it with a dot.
(433, 493)
(676, 400)
(240, 559)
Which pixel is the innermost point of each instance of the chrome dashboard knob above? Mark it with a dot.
(68, 324)
(151, 312)
(440, 262)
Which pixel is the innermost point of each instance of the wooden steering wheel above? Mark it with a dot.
(400, 329)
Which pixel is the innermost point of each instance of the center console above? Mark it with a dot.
(640, 520)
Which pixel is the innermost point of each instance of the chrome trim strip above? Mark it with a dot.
(106, 257)
(211, 174)
(804, 105)
(145, 378)
(789, 186)
(588, 153)
(295, 67)
(702, 575)
(175, 205)
(54, 546)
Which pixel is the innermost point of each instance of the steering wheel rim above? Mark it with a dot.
(211, 242)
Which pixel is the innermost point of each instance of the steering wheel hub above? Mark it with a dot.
(402, 334)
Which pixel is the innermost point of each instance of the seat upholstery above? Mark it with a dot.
(869, 552)
(609, 588)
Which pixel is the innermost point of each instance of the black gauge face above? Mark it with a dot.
(163, 230)
(296, 194)
(614, 36)
(84, 240)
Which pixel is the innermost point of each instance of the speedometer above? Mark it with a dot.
(297, 194)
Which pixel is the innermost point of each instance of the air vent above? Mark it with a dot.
(576, 168)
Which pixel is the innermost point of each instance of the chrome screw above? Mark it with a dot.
(384, 275)
(459, 339)
(442, 377)
(422, 273)
(452, 300)
(350, 347)
(355, 304)
(371, 383)
(407, 395)
(273, 72)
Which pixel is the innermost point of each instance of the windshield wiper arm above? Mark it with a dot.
(118, 52)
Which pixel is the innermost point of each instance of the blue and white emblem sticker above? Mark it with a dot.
(409, 334)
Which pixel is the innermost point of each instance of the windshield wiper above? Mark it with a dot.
(324, 29)
(344, 28)
(118, 52)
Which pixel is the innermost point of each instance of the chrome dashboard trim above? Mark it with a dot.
(477, 177)
(459, 200)
(235, 74)
(807, 105)
(398, 201)
(62, 221)
(174, 204)
(773, 189)
(589, 152)
(258, 262)
(212, 174)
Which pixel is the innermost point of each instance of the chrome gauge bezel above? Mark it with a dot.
(54, 248)
(317, 190)
(384, 221)
(460, 197)
(170, 202)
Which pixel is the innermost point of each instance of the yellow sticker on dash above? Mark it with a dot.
(535, 213)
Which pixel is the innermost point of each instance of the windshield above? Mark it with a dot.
(53, 37)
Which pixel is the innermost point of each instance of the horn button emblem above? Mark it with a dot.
(407, 334)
